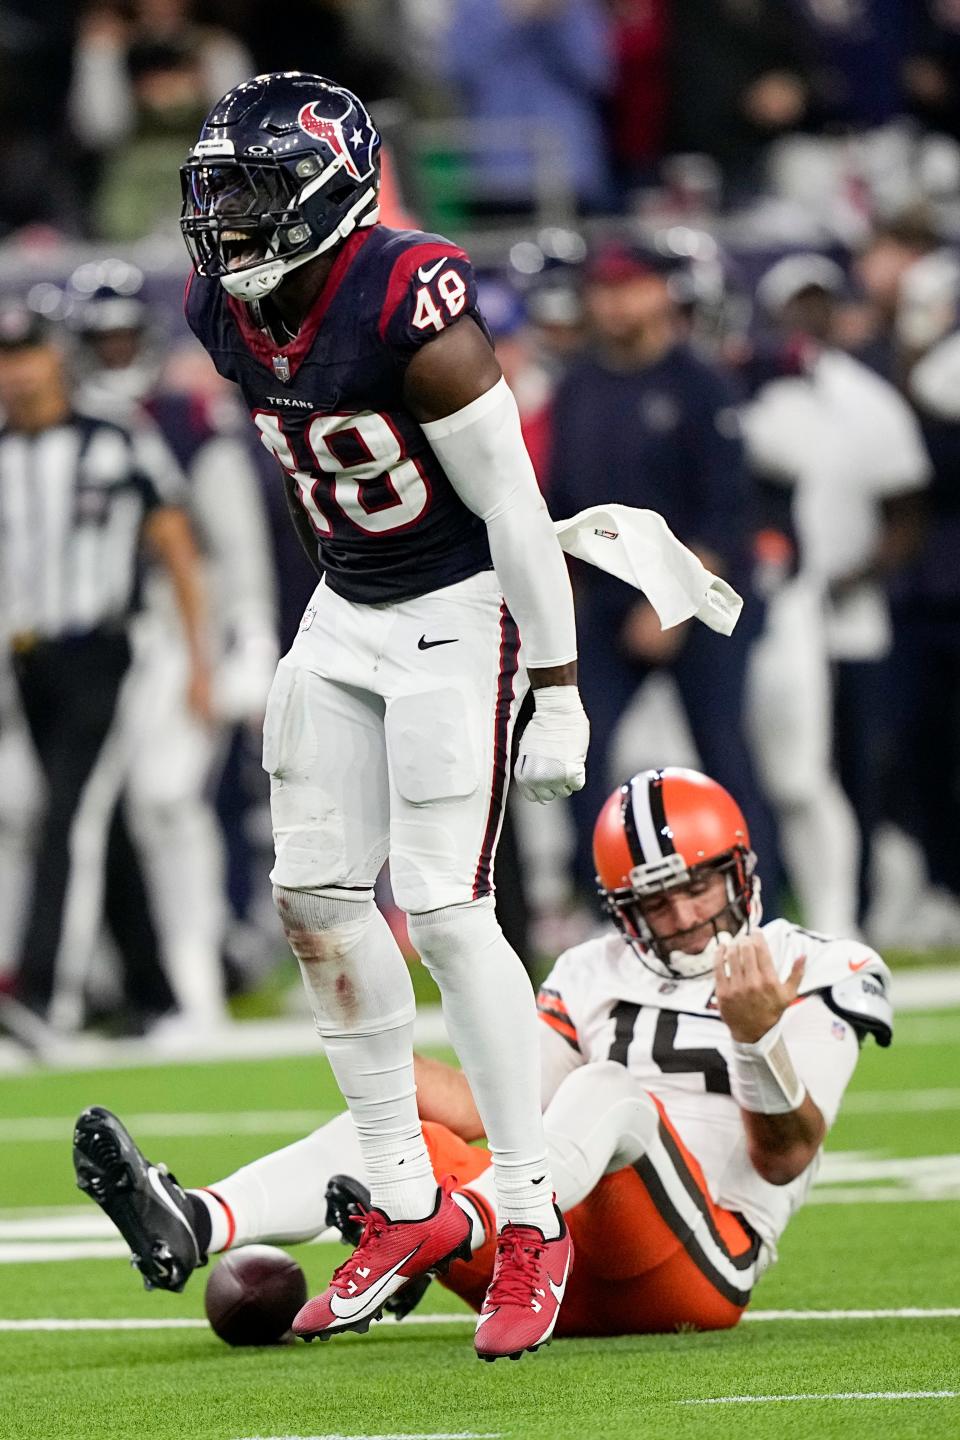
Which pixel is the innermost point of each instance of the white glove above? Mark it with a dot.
(554, 745)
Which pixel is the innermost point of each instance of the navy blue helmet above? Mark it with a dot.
(286, 166)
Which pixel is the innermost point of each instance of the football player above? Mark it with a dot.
(691, 1059)
(362, 357)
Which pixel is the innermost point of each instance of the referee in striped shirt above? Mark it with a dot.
(80, 497)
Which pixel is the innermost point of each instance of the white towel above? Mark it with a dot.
(639, 547)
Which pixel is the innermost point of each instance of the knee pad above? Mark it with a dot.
(442, 936)
(311, 919)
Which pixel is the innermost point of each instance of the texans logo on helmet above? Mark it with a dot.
(331, 132)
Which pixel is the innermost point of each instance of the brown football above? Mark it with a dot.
(253, 1295)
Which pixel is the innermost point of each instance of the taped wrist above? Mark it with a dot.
(762, 1075)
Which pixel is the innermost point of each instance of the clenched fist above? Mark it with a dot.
(553, 749)
(750, 995)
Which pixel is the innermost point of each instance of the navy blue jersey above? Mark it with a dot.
(330, 407)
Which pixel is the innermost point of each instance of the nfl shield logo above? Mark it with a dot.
(281, 367)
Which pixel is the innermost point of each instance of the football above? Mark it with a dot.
(253, 1294)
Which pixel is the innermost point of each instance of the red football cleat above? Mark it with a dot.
(522, 1304)
(389, 1254)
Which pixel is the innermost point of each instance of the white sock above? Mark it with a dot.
(280, 1198)
(599, 1120)
(491, 1017)
(363, 1006)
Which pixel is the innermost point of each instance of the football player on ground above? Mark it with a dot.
(361, 354)
(691, 1061)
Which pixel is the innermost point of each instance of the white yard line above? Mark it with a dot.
(235, 1040)
(892, 1102)
(927, 1030)
(57, 1129)
(933, 988)
(836, 1395)
(203, 1123)
(909, 1312)
(420, 1435)
(755, 1316)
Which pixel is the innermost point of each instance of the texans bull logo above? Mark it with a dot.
(331, 133)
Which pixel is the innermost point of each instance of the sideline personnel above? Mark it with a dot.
(78, 497)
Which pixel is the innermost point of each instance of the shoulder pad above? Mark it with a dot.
(864, 1001)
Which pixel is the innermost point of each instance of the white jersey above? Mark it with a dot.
(607, 1005)
(848, 441)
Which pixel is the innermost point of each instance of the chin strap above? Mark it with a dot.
(256, 282)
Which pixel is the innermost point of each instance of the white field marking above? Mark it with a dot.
(153, 1124)
(175, 1123)
(40, 1251)
(851, 1178)
(924, 991)
(29, 1252)
(867, 1178)
(234, 1040)
(468, 1318)
(890, 1102)
(847, 1178)
(423, 1435)
(931, 988)
(836, 1395)
(927, 1030)
(861, 1166)
(909, 1312)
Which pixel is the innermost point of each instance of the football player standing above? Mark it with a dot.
(362, 356)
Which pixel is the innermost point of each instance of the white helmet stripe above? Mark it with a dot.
(643, 819)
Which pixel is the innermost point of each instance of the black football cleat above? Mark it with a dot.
(143, 1200)
(348, 1201)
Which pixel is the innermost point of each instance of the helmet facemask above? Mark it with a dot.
(250, 224)
(665, 954)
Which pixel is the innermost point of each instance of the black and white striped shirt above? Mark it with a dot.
(73, 501)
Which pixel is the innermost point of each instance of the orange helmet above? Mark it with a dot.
(667, 829)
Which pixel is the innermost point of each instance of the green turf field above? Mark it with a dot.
(882, 1236)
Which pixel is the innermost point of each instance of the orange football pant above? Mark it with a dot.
(632, 1275)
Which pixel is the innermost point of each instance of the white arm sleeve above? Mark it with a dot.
(482, 452)
(824, 1052)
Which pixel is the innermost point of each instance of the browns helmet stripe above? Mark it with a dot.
(651, 844)
(659, 814)
(630, 824)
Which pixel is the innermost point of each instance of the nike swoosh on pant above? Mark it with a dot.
(349, 1308)
(424, 644)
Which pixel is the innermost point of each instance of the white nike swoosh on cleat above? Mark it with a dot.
(557, 1290)
(153, 1175)
(487, 1316)
(349, 1309)
(427, 275)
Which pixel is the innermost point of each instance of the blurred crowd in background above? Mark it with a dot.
(717, 243)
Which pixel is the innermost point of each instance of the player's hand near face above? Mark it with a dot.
(750, 995)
